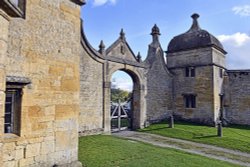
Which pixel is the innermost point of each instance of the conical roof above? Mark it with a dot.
(194, 38)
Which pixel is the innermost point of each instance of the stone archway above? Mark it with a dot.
(152, 84)
(138, 114)
(134, 117)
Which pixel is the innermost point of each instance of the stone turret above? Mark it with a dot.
(159, 81)
(197, 59)
(194, 38)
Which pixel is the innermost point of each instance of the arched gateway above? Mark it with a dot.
(135, 117)
(97, 68)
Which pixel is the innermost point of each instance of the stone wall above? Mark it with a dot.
(194, 57)
(201, 85)
(218, 60)
(237, 99)
(4, 20)
(91, 94)
(217, 91)
(159, 84)
(218, 82)
(45, 47)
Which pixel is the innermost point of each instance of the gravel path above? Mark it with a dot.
(232, 156)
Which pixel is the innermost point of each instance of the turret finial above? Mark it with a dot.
(122, 34)
(195, 16)
(139, 57)
(195, 25)
(102, 47)
(155, 33)
(155, 30)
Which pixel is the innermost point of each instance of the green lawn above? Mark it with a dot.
(234, 137)
(108, 151)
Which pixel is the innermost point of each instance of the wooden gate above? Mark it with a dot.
(120, 116)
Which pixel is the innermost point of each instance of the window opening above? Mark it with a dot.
(12, 111)
(190, 101)
(190, 72)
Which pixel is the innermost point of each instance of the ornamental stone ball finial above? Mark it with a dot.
(139, 57)
(195, 16)
(155, 33)
(155, 30)
(195, 25)
(122, 34)
(101, 47)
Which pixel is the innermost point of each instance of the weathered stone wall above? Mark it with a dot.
(158, 94)
(4, 20)
(45, 47)
(158, 85)
(91, 94)
(218, 60)
(206, 85)
(121, 50)
(201, 85)
(237, 97)
(194, 57)
(218, 81)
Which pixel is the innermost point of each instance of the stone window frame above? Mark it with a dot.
(190, 72)
(14, 91)
(190, 101)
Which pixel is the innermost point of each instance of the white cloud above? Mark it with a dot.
(238, 47)
(242, 10)
(122, 83)
(238, 39)
(103, 2)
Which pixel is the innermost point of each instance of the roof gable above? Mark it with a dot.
(121, 49)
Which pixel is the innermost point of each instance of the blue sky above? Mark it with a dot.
(228, 20)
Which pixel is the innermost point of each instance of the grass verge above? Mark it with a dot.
(234, 137)
(108, 151)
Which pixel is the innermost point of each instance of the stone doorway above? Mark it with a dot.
(125, 113)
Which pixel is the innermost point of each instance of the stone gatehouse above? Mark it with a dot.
(54, 84)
